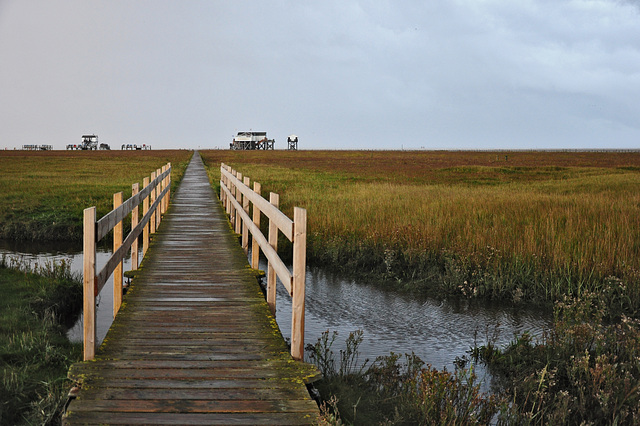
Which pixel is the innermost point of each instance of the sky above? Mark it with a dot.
(340, 74)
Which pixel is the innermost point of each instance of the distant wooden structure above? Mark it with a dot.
(37, 147)
(292, 143)
(252, 141)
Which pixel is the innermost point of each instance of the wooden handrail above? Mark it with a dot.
(236, 197)
(157, 188)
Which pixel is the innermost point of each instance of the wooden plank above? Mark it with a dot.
(197, 406)
(240, 391)
(195, 418)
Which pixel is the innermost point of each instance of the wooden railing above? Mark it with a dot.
(154, 198)
(237, 198)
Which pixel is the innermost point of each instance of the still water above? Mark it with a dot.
(72, 254)
(436, 331)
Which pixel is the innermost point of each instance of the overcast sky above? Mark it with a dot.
(434, 74)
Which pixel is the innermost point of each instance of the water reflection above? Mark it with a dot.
(436, 331)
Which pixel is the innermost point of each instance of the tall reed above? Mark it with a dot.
(521, 240)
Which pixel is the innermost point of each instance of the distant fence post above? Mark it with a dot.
(163, 205)
(152, 199)
(299, 276)
(245, 227)
(89, 283)
(135, 188)
(274, 199)
(145, 209)
(117, 273)
(255, 247)
(158, 192)
(168, 184)
(239, 200)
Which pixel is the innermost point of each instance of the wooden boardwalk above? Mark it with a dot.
(194, 342)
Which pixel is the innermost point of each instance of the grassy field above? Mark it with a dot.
(35, 354)
(44, 192)
(557, 227)
(517, 225)
(42, 198)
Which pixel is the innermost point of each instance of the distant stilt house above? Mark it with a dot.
(292, 142)
(89, 142)
(251, 141)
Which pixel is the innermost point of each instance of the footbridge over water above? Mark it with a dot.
(194, 341)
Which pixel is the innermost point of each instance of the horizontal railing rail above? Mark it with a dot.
(238, 200)
(155, 200)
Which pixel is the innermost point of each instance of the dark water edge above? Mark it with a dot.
(437, 331)
(70, 252)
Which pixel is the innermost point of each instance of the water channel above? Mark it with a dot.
(436, 331)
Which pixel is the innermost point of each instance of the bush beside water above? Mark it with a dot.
(35, 354)
(395, 389)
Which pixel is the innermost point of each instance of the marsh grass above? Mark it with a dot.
(559, 228)
(585, 370)
(536, 227)
(35, 354)
(44, 193)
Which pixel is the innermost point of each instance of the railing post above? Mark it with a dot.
(245, 227)
(159, 208)
(117, 273)
(232, 210)
(221, 196)
(299, 275)
(230, 186)
(168, 196)
(145, 209)
(255, 247)
(135, 188)
(223, 179)
(163, 185)
(89, 283)
(273, 242)
(239, 200)
(152, 199)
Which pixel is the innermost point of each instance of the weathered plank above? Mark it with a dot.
(194, 341)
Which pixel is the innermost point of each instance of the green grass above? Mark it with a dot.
(44, 193)
(35, 354)
(537, 227)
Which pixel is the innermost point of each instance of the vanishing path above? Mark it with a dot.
(194, 342)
